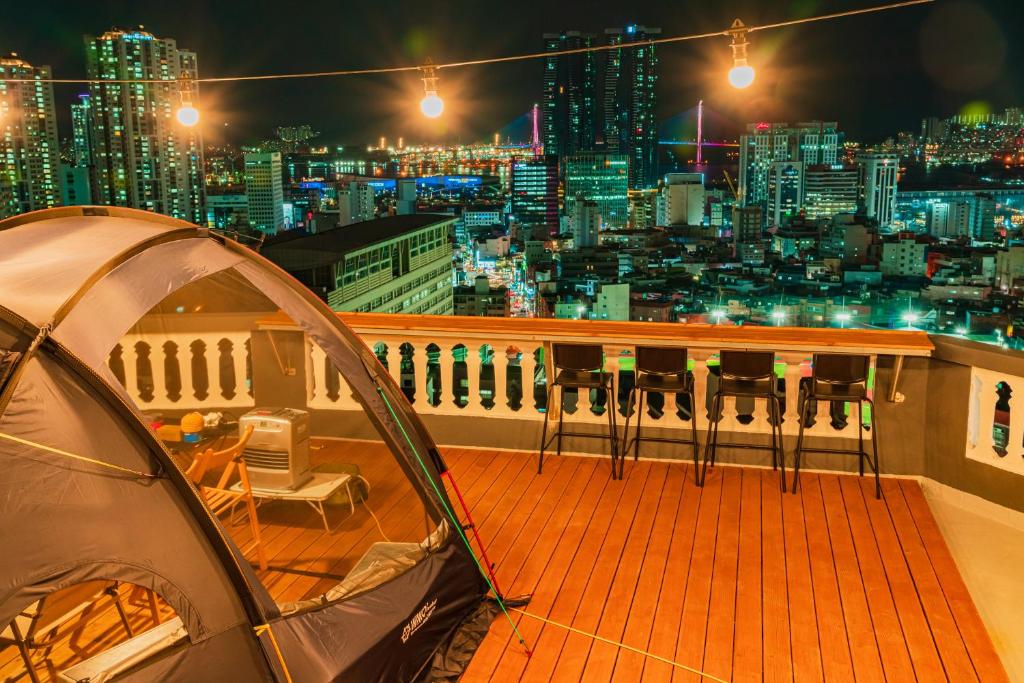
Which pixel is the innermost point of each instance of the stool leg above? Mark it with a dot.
(561, 415)
(804, 409)
(693, 433)
(771, 421)
(630, 408)
(860, 437)
(777, 424)
(874, 449)
(639, 419)
(544, 431)
(613, 436)
(712, 438)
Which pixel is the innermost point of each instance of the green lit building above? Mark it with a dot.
(398, 264)
(264, 191)
(141, 156)
(603, 179)
(569, 102)
(29, 156)
(629, 99)
(534, 192)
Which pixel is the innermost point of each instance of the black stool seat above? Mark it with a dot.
(669, 384)
(748, 374)
(664, 371)
(578, 366)
(839, 378)
(582, 379)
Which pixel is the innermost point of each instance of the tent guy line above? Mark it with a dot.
(75, 456)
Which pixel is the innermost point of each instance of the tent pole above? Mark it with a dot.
(476, 534)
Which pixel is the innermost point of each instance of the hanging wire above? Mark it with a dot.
(486, 60)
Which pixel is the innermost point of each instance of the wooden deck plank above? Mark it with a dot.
(582, 592)
(833, 639)
(803, 622)
(600, 662)
(519, 570)
(693, 626)
(920, 640)
(629, 666)
(979, 645)
(748, 638)
(955, 660)
(665, 634)
(892, 644)
(718, 650)
(778, 654)
(860, 630)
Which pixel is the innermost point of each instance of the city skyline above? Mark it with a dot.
(885, 86)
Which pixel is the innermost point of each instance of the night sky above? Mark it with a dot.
(875, 74)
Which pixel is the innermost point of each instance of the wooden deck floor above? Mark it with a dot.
(735, 579)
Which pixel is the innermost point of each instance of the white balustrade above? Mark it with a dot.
(995, 435)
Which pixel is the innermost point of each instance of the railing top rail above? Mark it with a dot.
(712, 337)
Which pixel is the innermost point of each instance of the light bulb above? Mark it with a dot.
(741, 76)
(187, 115)
(432, 106)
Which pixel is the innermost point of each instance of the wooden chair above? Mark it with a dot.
(37, 626)
(222, 496)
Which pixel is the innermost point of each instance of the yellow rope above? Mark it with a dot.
(73, 456)
(265, 628)
(622, 645)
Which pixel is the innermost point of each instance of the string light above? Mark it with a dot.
(186, 114)
(431, 105)
(741, 75)
(489, 60)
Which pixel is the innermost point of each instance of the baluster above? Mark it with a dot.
(419, 364)
(501, 351)
(473, 379)
(316, 376)
(131, 377)
(790, 406)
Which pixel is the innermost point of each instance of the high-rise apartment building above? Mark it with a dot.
(629, 99)
(830, 189)
(29, 156)
(586, 224)
(534, 189)
(569, 104)
(681, 200)
(879, 172)
(142, 157)
(264, 191)
(600, 178)
(785, 191)
(765, 144)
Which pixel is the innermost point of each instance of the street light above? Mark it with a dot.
(718, 315)
(910, 318)
(741, 75)
(778, 316)
(842, 318)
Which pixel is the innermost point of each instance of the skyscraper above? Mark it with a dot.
(570, 95)
(142, 157)
(629, 99)
(81, 131)
(29, 156)
(785, 191)
(535, 194)
(879, 172)
(264, 191)
(830, 189)
(765, 144)
(601, 178)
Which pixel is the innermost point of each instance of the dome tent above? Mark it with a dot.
(83, 474)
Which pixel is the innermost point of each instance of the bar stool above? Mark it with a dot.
(842, 378)
(578, 366)
(749, 374)
(660, 370)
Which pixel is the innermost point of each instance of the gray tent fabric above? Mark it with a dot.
(90, 273)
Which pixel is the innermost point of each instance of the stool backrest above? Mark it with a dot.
(660, 360)
(747, 365)
(840, 368)
(579, 357)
